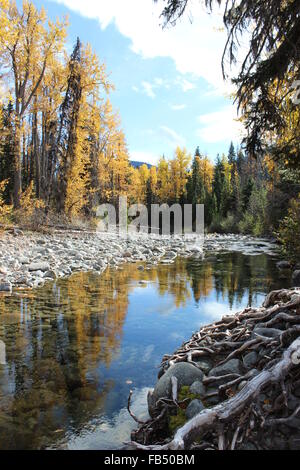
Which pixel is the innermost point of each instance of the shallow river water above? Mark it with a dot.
(76, 347)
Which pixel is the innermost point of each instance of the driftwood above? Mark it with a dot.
(243, 417)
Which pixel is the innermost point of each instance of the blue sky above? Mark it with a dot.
(169, 87)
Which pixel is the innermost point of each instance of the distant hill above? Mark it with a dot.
(138, 164)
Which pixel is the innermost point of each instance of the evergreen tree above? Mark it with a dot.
(231, 155)
(67, 135)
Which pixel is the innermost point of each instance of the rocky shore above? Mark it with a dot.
(234, 385)
(28, 260)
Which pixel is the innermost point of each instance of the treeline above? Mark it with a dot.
(63, 151)
(241, 194)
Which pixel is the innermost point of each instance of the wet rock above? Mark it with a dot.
(194, 408)
(234, 366)
(197, 388)
(296, 278)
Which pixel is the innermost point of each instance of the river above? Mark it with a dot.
(77, 346)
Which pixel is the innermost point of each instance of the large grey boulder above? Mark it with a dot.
(194, 408)
(234, 366)
(185, 373)
(296, 278)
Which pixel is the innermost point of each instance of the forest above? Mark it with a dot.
(63, 150)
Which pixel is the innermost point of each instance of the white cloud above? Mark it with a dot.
(172, 136)
(196, 47)
(148, 89)
(185, 84)
(220, 126)
(178, 107)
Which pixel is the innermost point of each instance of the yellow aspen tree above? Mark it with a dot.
(179, 174)
(163, 181)
(25, 50)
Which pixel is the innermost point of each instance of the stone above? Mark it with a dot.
(50, 274)
(250, 359)
(204, 364)
(234, 366)
(194, 408)
(5, 286)
(41, 266)
(186, 375)
(283, 265)
(141, 268)
(213, 400)
(296, 278)
(197, 388)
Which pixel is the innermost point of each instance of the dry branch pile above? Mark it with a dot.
(258, 408)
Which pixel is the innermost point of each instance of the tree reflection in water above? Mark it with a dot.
(70, 345)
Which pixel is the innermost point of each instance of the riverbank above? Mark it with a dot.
(234, 385)
(29, 259)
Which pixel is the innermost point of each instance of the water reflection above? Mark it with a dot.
(74, 348)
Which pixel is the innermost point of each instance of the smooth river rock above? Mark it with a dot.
(197, 388)
(234, 366)
(194, 408)
(185, 373)
(42, 266)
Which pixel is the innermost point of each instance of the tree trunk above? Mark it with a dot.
(17, 164)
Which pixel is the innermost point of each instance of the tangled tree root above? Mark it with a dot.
(265, 411)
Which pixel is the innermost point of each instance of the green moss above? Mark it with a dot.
(178, 420)
(185, 393)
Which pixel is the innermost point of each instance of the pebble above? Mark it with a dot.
(30, 259)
